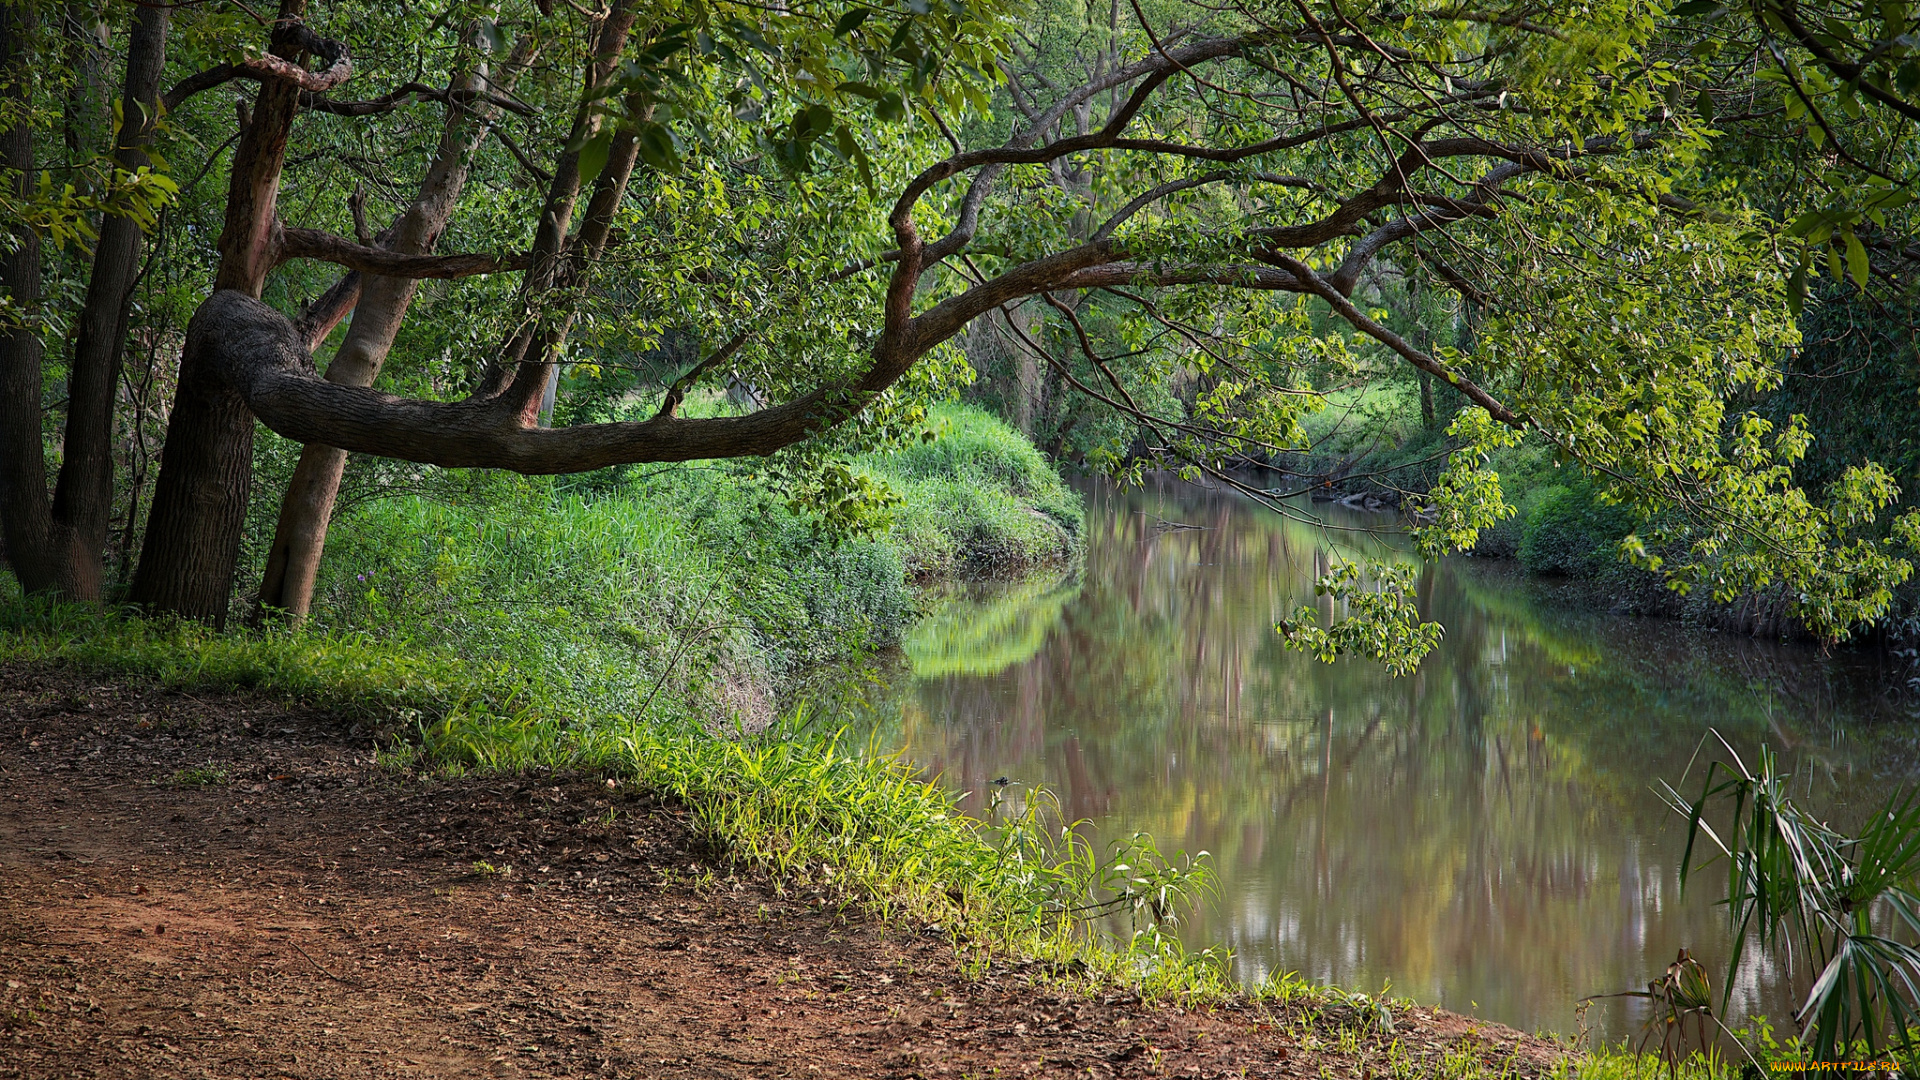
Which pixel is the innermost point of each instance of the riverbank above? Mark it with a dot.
(690, 593)
(197, 881)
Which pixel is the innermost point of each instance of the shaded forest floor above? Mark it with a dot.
(219, 885)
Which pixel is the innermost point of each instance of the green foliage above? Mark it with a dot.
(1466, 498)
(977, 499)
(1376, 617)
(1572, 530)
(690, 590)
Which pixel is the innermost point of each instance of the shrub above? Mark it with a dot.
(1571, 531)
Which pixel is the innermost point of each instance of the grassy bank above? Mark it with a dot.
(792, 802)
(689, 592)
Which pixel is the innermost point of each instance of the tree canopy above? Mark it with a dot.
(1193, 218)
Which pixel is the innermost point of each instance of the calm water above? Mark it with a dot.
(1482, 835)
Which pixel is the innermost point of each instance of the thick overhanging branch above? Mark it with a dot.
(326, 247)
(273, 68)
(262, 356)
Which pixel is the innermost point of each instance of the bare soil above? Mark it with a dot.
(202, 885)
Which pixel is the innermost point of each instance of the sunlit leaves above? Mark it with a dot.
(1466, 498)
(1375, 617)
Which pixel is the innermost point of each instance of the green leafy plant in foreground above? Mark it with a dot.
(1796, 883)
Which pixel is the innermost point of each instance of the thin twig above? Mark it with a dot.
(317, 967)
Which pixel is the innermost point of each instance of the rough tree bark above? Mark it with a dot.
(307, 507)
(199, 503)
(83, 500)
(193, 536)
(25, 515)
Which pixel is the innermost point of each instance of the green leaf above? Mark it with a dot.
(851, 21)
(871, 93)
(593, 156)
(1804, 224)
(851, 150)
(890, 107)
(1857, 261)
(1797, 290)
(1908, 77)
(1694, 7)
(664, 48)
(656, 148)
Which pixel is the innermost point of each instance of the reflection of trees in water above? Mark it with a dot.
(1481, 831)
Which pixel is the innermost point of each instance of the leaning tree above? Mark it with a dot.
(830, 197)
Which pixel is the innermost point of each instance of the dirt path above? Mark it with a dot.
(219, 886)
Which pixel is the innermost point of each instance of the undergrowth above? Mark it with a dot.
(686, 592)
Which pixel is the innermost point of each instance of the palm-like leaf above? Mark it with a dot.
(1795, 882)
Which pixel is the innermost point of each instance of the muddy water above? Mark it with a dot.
(1482, 835)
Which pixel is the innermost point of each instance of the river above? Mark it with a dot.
(1482, 835)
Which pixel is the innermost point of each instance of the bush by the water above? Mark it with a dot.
(1570, 530)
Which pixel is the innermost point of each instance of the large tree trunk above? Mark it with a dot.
(25, 518)
(206, 464)
(58, 547)
(300, 537)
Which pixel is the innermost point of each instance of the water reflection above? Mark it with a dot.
(1481, 835)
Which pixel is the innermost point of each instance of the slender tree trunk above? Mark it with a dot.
(25, 516)
(83, 501)
(206, 471)
(300, 537)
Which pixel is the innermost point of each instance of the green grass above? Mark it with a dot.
(688, 592)
(979, 499)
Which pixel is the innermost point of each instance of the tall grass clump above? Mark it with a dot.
(977, 499)
(610, 602)
(685, 592)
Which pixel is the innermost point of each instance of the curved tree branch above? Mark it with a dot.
(272, 68)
